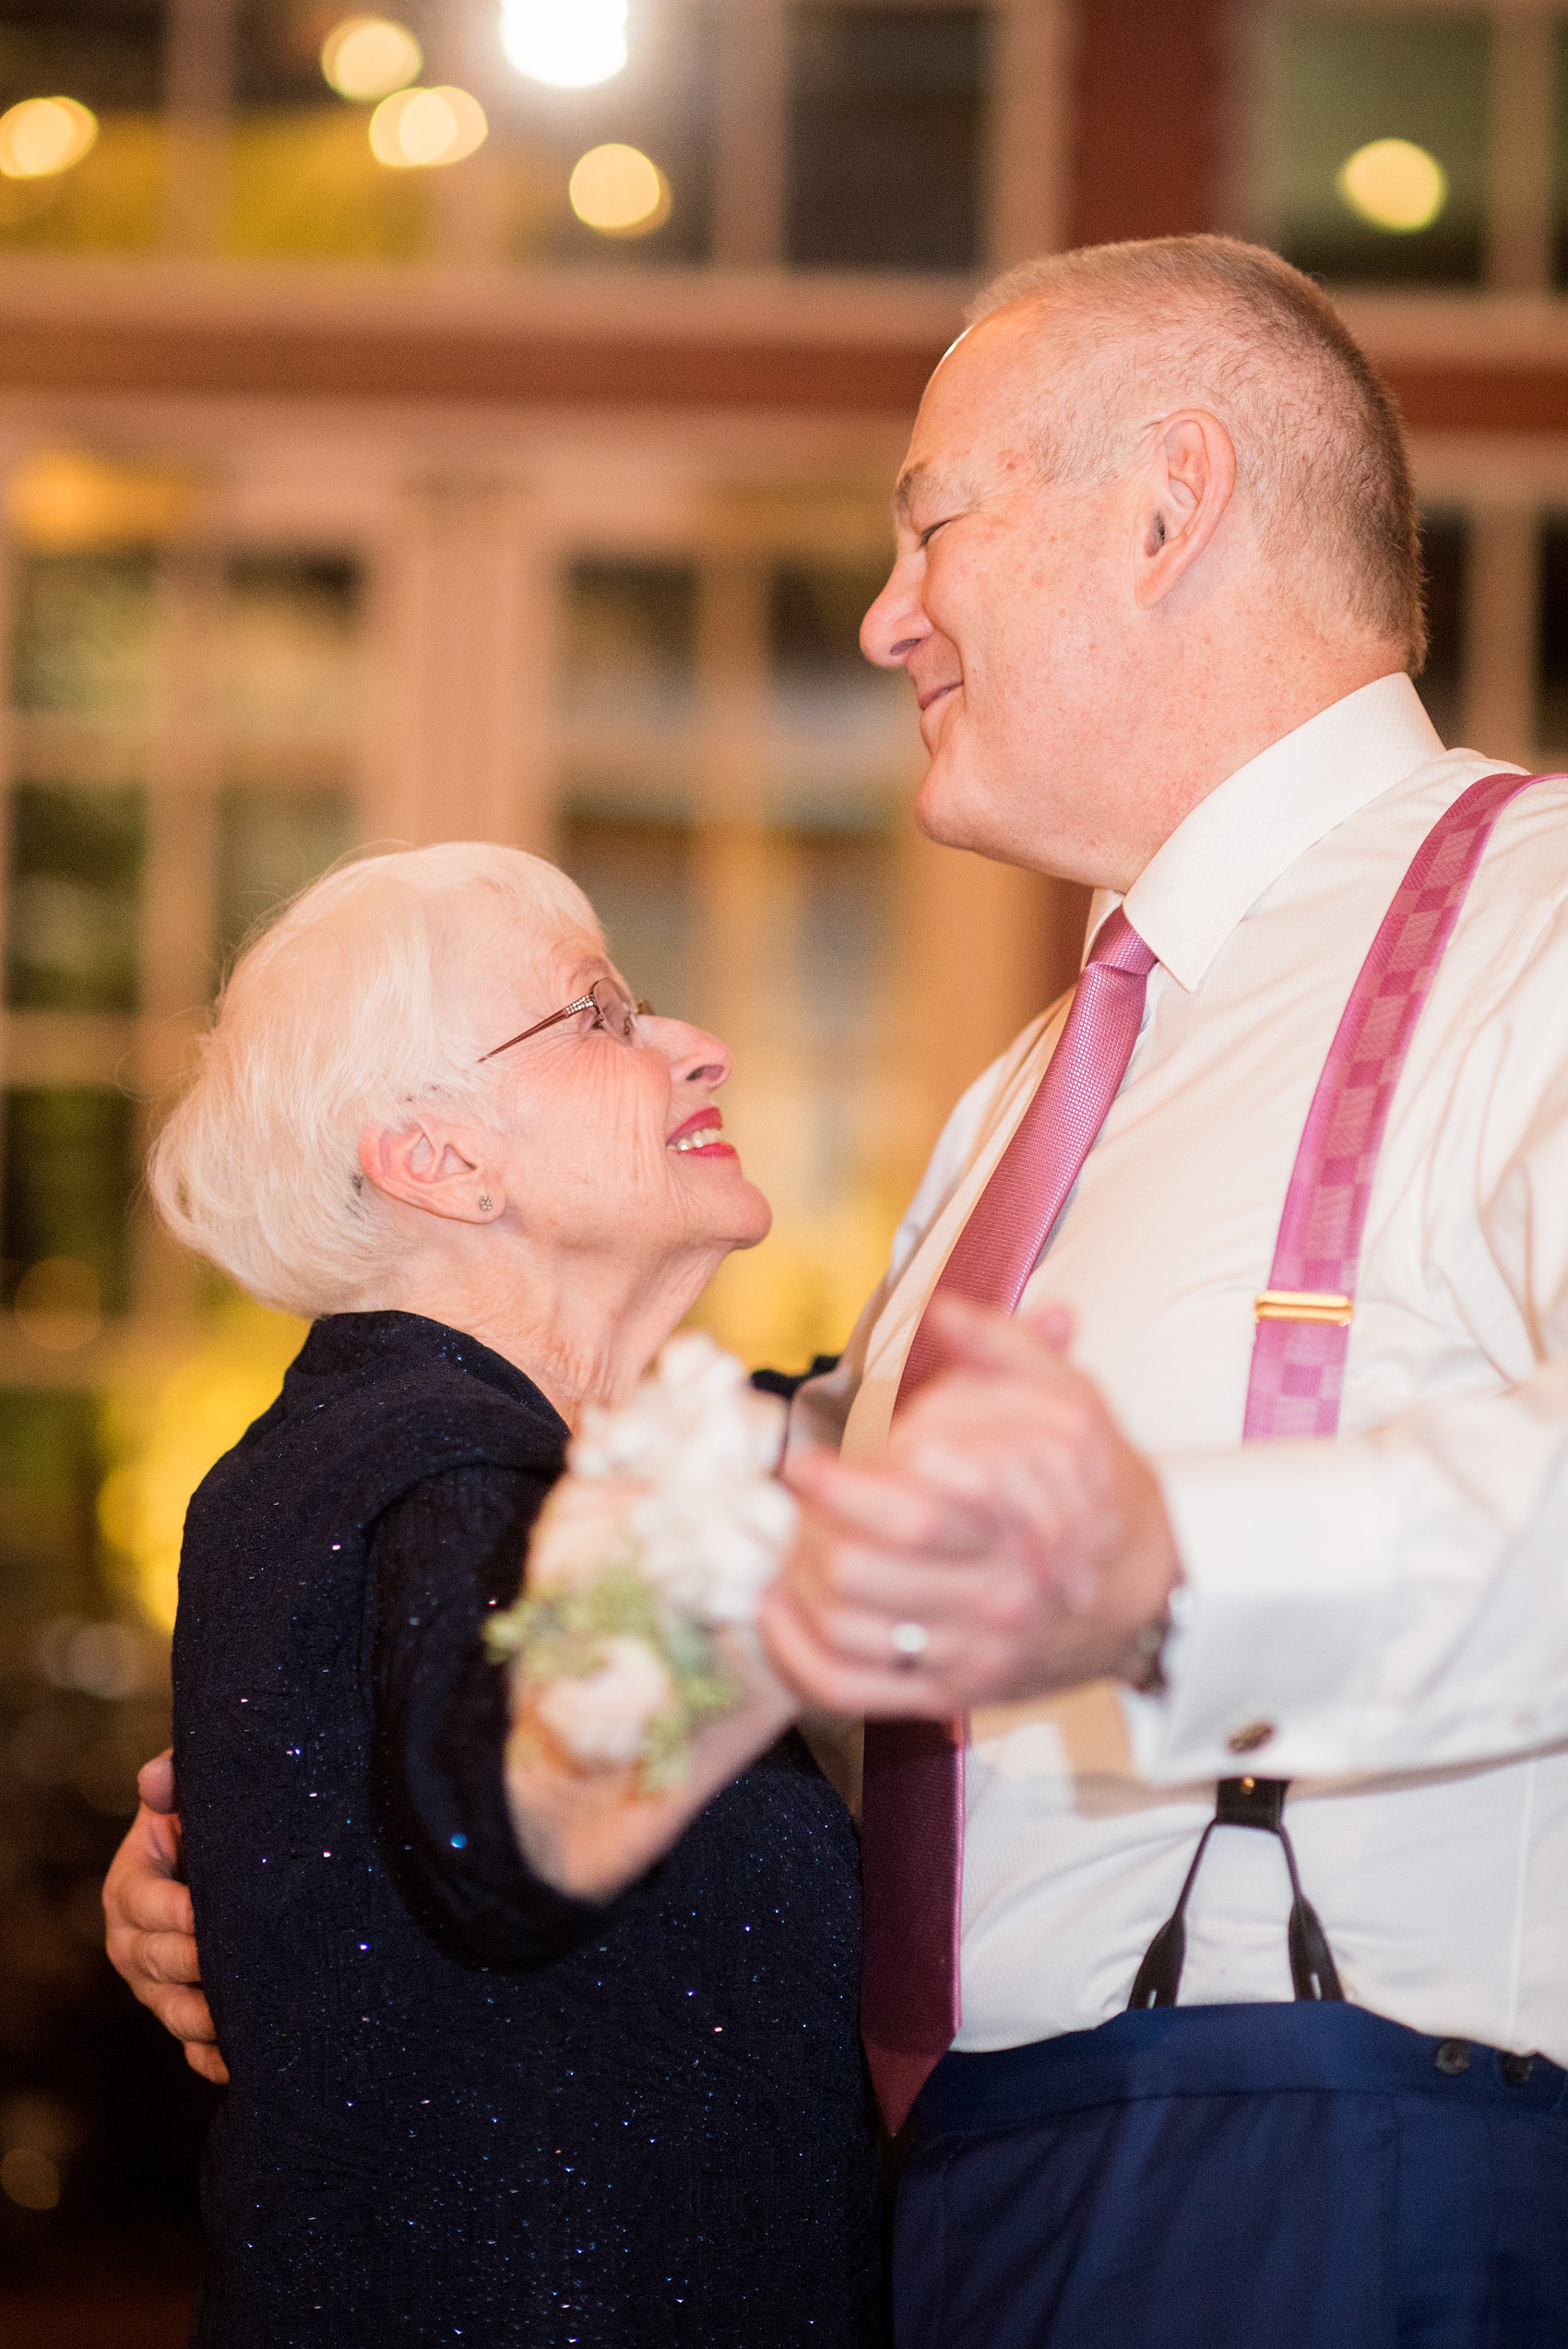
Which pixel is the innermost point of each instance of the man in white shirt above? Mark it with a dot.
(1157, 589)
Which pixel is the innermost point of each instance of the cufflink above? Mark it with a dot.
(1248, 1737)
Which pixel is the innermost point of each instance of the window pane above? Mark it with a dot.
(70, 1175)
(638, 876)
(886, 138)
(1552, 725)
(47, 1481)
(290, 651)
(663, 104)
(841, 728)
(270, 845)
(629, 649)
(1344, 80)
(82, 641)
(72, 927)
(1445, 549)
(111, 59)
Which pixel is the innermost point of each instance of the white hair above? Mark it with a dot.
(335, 1018)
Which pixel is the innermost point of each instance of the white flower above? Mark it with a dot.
(680, 1483)
(602, 1718)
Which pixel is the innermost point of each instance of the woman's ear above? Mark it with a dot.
(1185, 490)
(443, 1169)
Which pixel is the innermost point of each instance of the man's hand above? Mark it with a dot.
(1009, 1520)
(151, 1935)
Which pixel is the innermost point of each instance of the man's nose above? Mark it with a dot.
(897, 621)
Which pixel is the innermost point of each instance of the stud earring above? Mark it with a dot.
(485, 1202)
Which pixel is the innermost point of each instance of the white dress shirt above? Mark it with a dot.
(1392, 1601)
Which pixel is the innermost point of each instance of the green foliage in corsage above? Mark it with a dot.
(578, 1633)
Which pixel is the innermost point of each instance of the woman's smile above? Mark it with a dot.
(699, 1136)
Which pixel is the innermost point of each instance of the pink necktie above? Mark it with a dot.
(912, 1821)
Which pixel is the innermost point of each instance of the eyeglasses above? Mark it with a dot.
(612, 1008)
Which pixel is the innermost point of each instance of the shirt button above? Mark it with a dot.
(1248, 1737)
(1515, 2070)
(1453, 2056)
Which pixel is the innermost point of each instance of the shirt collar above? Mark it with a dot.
(1237, 843)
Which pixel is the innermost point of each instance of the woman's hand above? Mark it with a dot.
(590, 1833)
(151, 1935)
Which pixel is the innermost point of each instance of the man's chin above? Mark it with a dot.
(951, 811)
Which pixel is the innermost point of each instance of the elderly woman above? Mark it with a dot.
(514, 2058)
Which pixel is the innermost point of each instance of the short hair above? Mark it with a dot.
(1211, 322)
(336, 1017)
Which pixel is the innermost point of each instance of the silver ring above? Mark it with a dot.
(910, 1642)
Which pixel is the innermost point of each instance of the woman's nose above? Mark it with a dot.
(897, 621)
(695, 1056)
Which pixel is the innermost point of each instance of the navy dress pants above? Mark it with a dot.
(1237, 2177)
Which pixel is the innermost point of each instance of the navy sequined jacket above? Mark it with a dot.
(463, 2108)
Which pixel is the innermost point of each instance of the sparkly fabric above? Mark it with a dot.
(912, 1808)
(464, 2108)
(1298, 1367)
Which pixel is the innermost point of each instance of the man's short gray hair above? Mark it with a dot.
(1210, 322)
(337, 1016)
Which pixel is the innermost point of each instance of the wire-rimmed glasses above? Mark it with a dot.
(613, 1008)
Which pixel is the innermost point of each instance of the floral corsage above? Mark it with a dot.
(668, 1525)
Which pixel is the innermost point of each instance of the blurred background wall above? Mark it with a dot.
(480, 422)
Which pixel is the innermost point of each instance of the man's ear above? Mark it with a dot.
(1188, 482)
(443, 1169)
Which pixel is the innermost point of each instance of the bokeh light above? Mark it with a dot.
(616, 190)
(370, 56)
(1393, 184)
(44, 135)
(417, 129)
(571, 44)
(58, 1306)
(30, 2179)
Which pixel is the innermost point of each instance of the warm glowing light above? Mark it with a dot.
(58, 1304)
(60, 499)
(569, 43)
(1394, 185)
(164, 1433)
(30, 2179)
(617, 191)
(370, 57)
(419, 128)
(44, 135)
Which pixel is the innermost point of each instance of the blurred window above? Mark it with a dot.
(70, 1174)
(82, 637)
(1551, 721)
(1346, 81)
(289, 662)
(108, 55)
(840, 727)
(639, 878)
(662, 105)
(49, 1472)
(73, 927)
(629, 645)
(272, 845)
(886, 136)
(1446, 552)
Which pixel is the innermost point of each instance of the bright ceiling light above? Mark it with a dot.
(369, 57)
(1394, 185)
(617, 191)
(416, 128)
(569, 43)
(44, 135)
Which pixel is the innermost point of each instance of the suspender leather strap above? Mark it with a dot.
(1304, 1316)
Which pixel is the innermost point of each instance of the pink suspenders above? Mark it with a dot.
(1304, 1315)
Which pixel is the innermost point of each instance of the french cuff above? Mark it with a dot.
(1286, 1549)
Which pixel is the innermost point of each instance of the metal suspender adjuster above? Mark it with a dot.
(1243, 1802)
